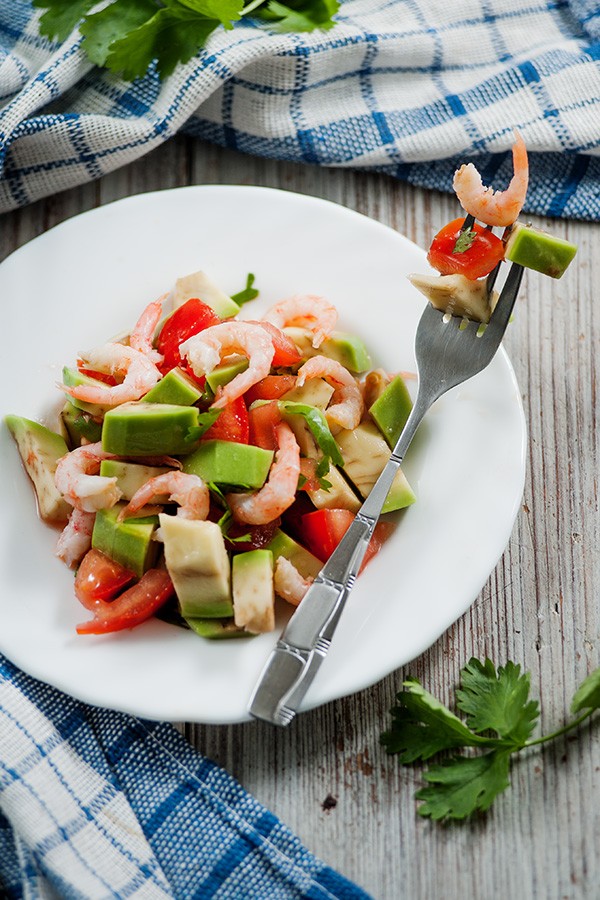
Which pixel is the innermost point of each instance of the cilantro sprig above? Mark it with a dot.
(499, 719)
(127, 36)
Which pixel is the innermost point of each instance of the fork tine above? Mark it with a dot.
(506, 301)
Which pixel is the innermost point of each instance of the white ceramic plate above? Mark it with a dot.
(88, 279)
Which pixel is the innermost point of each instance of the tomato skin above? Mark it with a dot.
(104, 377)
(483, 255)
(132, 607)
(272, 387)
(232, 425)
(99, 578)
(286, 352)
(264, 419)
(189, 319)
(322, 531)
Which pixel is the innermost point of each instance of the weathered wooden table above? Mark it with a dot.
(327, 776)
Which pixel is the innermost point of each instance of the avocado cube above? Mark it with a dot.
(347, 349)
(228, 462)
(40, 449)
(130, 542)
(216, 629)
(281, 544)
(253, 591)
(149, 429)
(75, 378)
(199, 285)
(175, 388)
(199, 567)
(78, 425)
(535, 249)
(365, 454)
(131, 476)
(224, 373)
(391, 410)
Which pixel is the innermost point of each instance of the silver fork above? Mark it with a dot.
(449, 350)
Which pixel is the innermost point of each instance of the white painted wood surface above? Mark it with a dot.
(327, 776)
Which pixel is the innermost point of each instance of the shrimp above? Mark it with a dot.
(140, 375)
(207, 349)
(489, 206)
(143, 330)
(189, 491)
(76, 538)
(77, 479)
(289, 584)
(279, 492)
(347, 411)
(308, 311)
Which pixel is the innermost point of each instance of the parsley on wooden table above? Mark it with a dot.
(499, 720)
(126, 36)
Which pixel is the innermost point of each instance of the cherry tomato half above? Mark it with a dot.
(189, 319)
(478, 259)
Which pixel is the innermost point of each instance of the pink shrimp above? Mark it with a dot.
(307, 311)
(206, 349)
(76, 538)
(279, 492)
(348, 409)
(77, 479)
(116, 359)
(189, 491)
(143, 331)
(289, 584)
(489, 206)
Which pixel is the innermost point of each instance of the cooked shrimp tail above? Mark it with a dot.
(307, 311)
(347, 411)
(140, 374)
(77, 479)
(279, 492)
(143, 331)
(185, 489)
(491, 207)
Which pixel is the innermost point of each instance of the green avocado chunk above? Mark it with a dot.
(365, 454)
(78, 425)
(217, 629)
(535, 249)
(199, 567)
(253, 592)
(347, 349)
(131, 476)
(129, 542)
(75, 378)
(40, 449)
(223, 374)
(149, 429)
(176, 388)
(281, 544)
(391, 410)
(228, 462)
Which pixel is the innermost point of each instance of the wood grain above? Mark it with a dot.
(327, 776)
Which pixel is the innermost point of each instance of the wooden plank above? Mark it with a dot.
(327, 776)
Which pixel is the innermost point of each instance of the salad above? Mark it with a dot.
(207, 464)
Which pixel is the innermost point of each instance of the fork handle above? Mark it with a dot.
(302, 647)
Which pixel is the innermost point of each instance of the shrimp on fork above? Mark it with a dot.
(116, 359)
(206, 350)
(494, 207)
(348, 409)
(77, 479)
(189, 491)
(143, 331)
(308, 311)
(279, 492)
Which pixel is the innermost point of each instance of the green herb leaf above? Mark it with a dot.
(61, 16)
(497, 701)
(299, 15)
(464, 241)
(319, 428)
(113, 23)
(587, 695)
(464, 785)
(247, 294)
(205, 420)
(423, 726)
(225, 11)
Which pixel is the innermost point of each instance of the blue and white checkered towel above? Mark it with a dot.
(96, 804)
(407, 87)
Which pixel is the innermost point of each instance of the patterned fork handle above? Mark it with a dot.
(303, 645)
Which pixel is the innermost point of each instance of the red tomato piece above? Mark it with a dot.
(286, 352)
(484, 253)
(232, 424)
(264, 419)
(272, 387)
(323, 529)
(132, 607)
(189, 319)
(99, 578)
(105, 377)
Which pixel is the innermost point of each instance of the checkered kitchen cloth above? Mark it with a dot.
(96, 804)
(411, 88)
